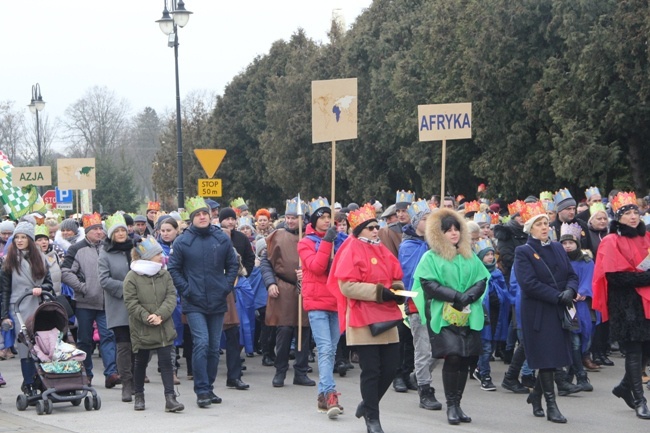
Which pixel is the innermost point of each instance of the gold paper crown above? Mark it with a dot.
(516, 206)
(591, 191)
(153, 205)
(363, 214)
(546, 195)
(318, 203)
(41, 230)
(404, 197)
(472, 206)
(417, 207)
(239, 201)
(623, 199)
(482, 244)
(494, 218)
(194, 203)
(532, 209)
(115, 219)
(596, 207)
(91, 220)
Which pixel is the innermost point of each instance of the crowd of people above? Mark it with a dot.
(546, 284)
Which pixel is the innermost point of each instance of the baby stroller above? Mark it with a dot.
(59, 376)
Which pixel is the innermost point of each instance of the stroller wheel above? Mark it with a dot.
(40, 407)
(21, 402)
(97, 403)
(87, 404)
(76, 402)
(49, 406)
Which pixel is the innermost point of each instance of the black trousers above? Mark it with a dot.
(233, 350)
(406, 351)
(379, 363)
(164, 364)
(284, 335)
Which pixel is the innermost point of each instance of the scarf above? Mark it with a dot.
(146, 267)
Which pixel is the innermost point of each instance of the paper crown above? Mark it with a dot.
(245, 221)
(148, 245)
(405, 197)
(91, 220)
(596, 207)
(291, 207)
(552, 235)
(561, 195)
(115, 219)
(546, 195)
(363, 214)
(192, 204)
(573, 230)
(482, 218)
(494, 218)
(153, 205)
(417, 207)
(318, 203)
(482, 244)
(591, 191)
(238, 202)
(472, 206)
(549, 206)
(185, 215)
(516, 207)
(623, 199)
(41, 230)
(646, 220)
(531, 210)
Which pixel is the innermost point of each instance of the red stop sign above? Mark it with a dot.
(50, 198)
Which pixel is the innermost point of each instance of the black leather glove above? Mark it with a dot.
(565, 298)
(387, 295)
(330, 235)
(461, 300)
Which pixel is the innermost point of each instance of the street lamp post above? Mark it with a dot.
(37, 104)
(169, 27)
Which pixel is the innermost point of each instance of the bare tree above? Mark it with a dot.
(12, 130)
(95, 124)
(29, 152)
(141, 147)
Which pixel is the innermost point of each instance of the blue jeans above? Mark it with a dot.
(525, 370)
(325, 329)
(206, 337)
(484, 359)
(107, 348)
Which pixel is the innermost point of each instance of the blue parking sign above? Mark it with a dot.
(63, 195)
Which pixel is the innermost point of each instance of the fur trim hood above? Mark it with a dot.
(436, 238)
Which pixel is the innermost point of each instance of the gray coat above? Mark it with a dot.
(113, 267)
(79, 271)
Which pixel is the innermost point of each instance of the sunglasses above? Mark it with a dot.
(371, 228)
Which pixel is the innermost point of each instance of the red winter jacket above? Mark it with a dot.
(315, 269)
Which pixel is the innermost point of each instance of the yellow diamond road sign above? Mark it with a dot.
(210, 159)
(209, 187)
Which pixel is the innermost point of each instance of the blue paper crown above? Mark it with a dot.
(646, 220)
(318, 203)
(593, 190)
(417, 207)
(405, 197)
(245, 221)
(147, 244)
(292, 207)
(549, 206)
(481, 218)
(561, 195)
(482, 244)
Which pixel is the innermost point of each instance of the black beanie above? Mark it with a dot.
(358, 229)
(319, 213)
(227, 212)
(128, 219)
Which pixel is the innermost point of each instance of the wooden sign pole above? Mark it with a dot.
(442, 174)
(333, 182)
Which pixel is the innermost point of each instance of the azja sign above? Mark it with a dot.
(38, 176)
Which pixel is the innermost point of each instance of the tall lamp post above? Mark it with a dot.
(37, 104)
(169, 26)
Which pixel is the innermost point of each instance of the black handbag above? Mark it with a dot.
(381, 327)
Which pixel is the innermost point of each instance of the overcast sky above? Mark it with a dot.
(70, 46)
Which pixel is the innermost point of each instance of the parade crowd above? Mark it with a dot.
(549, 285)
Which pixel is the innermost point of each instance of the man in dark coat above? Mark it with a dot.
(565, 206)
(204, 266)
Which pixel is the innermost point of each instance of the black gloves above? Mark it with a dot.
(565, 298)
(330, 235)
(387, 295)
(461, 300)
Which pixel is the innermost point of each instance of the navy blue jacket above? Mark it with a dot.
(204, 268)
(547, 345)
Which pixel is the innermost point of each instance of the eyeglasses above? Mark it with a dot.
(371, 228)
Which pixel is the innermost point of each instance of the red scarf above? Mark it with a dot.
(619, 254)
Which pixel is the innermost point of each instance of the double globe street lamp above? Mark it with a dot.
(37, 104)
(169, 26)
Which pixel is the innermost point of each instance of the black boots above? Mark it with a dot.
(633, 370)
(622, 390)
(171, 405)
(454, 385)
(564, 387)
(428, 398)
(552, 412)
(124, 363)
(139, 401)
(511, 378)
(535, 399)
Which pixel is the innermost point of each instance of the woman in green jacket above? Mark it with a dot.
(150, 299)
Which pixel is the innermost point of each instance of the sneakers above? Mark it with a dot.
(476, 375)
(486, 384)
(334, 409)
(203, 400)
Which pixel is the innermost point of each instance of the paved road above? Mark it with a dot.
(293, 408)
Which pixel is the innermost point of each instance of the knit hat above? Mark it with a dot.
(227, 212)
(148, 248)
(7, 226)
(161, 220)
(25, 228)
(563, 199)
(69, 224)
(260, 245)
(128, 219)
(114, 222)
(177, 216)
(140, 219)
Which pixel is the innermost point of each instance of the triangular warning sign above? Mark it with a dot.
(210, 159)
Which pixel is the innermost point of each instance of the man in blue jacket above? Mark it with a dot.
(203, 265)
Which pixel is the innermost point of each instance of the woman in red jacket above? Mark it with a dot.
(315, 251)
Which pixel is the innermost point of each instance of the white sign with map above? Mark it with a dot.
(334, 110)
(76, 173)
